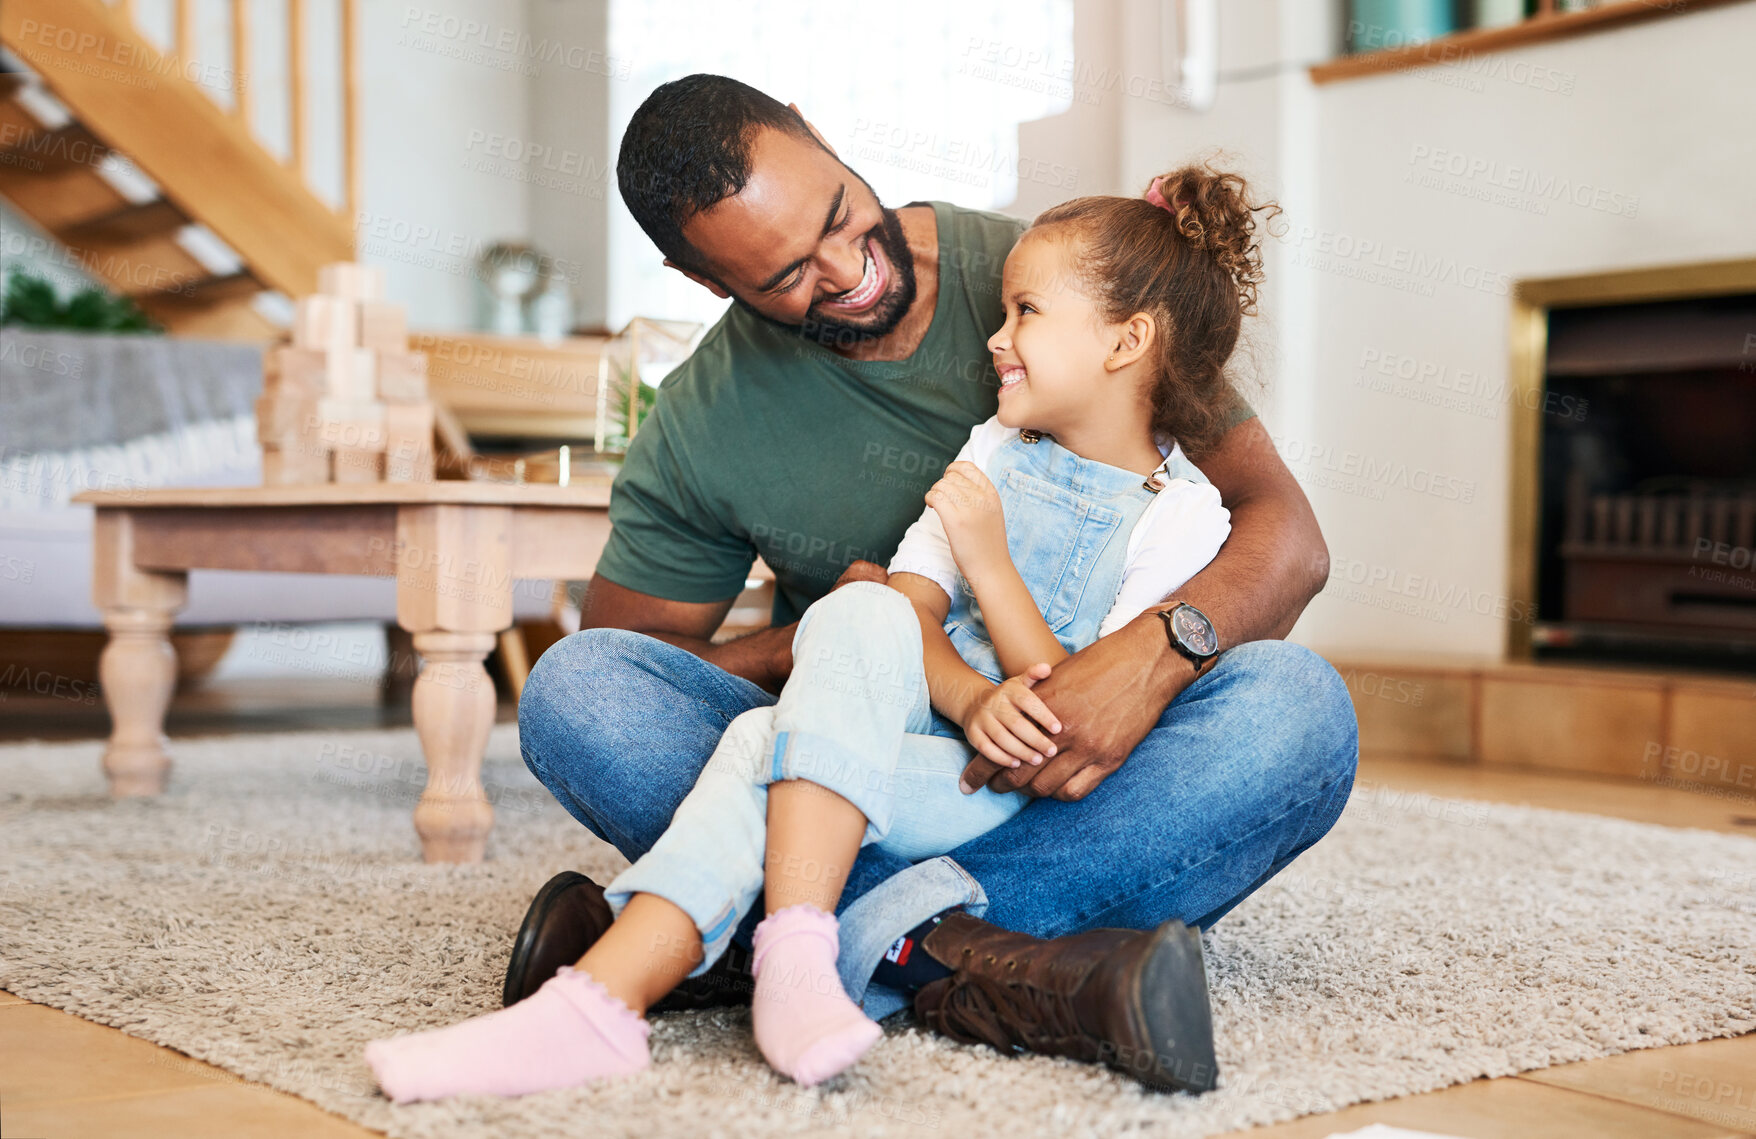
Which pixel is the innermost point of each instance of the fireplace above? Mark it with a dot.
(1645, 511)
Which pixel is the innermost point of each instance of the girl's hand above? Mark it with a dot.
(1010, 724)
(969, 508)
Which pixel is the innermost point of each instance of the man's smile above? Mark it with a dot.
(871, 287)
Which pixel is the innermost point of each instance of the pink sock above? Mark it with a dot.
(805, 1024)
(569, 1032)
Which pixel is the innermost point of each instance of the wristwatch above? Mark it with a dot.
(1191, 634)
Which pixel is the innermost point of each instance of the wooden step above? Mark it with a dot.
(143, 268)
(205, 291)
(54, 201)
(214, 308)
(48, 153)
(16, 124)
(112, 240)
(127, 225)
(236, 319)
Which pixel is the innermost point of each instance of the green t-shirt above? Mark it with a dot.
(763, 442)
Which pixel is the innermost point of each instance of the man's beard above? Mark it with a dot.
(822, 325)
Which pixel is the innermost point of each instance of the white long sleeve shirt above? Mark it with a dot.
(1179, 532)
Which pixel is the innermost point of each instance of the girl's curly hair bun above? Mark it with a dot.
(1188, 251)
(1213, 210)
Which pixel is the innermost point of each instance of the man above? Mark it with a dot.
(806, 427)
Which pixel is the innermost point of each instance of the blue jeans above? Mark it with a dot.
(1245, 770)
(854, 717)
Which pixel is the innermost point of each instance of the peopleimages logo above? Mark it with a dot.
(1515, 69)
(134, 65)
(37, 358)
(442, 33)
(970, 161)
(1387, 587)
(1314, 458)
(1345, 254)
(1044, 72)
(1528, 186)
(1458, 389)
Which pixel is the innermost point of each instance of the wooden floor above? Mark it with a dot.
(62, 1077)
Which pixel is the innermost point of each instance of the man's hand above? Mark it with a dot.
(862, 571)
(1107, 696)
(969, 508)
(780, 661)
(1009, 724)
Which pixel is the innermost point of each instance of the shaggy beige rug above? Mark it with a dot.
(267, 915)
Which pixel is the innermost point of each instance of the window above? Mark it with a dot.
(921, 97)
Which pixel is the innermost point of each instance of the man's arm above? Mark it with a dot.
(1273, 563)
(764, 657)
(1110, 694)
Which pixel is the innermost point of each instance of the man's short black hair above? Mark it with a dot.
(687, 148)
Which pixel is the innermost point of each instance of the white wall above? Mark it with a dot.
(1650, 125)
(571, 167)
(436, 85)
(485, 121)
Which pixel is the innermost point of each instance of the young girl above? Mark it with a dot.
(1067, 515)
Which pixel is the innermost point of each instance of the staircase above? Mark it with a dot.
(149, 184)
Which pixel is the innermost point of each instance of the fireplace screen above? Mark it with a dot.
(1648, 484)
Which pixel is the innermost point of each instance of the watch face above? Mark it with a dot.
(1195, 631)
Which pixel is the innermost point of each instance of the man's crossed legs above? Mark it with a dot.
(1249, 767)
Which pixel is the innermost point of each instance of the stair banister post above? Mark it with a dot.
(350, 110)
(185, 47)
(241, 60)
(296, 82)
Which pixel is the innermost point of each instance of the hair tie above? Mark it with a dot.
(1157, 197)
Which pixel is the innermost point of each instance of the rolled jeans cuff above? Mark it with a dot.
(831, 764)
(890, 909)
(684, 883)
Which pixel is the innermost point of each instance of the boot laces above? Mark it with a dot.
(1010, 1017)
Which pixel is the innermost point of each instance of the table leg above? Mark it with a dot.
(454, 593)
(454, 711)
(139, 670)
(138, 666)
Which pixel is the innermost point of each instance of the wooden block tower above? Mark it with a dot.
(346, 401)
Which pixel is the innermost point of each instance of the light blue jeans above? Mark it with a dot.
(1244, 771)
(855, 718)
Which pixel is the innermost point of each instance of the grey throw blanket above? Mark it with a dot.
(85, 410)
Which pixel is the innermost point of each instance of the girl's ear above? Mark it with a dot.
(1134, 338)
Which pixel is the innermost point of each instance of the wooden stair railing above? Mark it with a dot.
(204, 159)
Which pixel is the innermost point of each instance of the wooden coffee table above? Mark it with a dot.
(455, 549)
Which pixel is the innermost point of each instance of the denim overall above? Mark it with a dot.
(1068, 521)
(855, 717)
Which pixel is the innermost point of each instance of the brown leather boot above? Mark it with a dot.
(1134, 1000)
